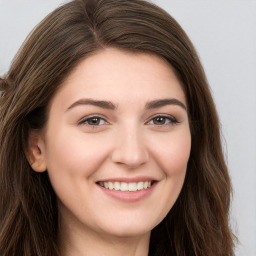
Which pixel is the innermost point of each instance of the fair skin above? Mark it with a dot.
(119, 121)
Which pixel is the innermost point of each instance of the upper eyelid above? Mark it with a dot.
(82, 120)
(162, 115)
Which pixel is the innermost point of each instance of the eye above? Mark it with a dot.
(93, 121)
(162, 120)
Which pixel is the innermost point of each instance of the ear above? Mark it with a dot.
(35, 151)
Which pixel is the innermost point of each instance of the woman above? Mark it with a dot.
(110, 140)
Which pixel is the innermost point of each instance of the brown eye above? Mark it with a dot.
(163, 120)
(160, 120)
(93, 121)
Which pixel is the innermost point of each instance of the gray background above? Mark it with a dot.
(224, 33)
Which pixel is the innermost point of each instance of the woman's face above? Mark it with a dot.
(117, 143)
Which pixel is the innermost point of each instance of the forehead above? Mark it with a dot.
(113, 74)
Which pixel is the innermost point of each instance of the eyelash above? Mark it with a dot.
(170, 120)
(88, 119)
(167, 118)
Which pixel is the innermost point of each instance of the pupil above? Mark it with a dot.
(160, 120)
(94, 121)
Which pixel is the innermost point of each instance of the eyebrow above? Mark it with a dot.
(98, 103)
(164, 102)
(109, 105)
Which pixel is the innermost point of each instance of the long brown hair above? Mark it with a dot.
(197, 225)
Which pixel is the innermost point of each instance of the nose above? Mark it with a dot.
(130, 149)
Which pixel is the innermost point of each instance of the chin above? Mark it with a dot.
(128, 232)
(133, 228)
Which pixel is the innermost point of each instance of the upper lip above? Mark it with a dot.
(128, 179)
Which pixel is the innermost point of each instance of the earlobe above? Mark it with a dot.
(34, 152)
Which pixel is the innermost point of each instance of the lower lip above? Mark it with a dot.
(129, 196)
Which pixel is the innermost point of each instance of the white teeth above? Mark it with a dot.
(145, 185)
(132, 186)
(116, 185)
(126, 186)
(140, 185)
(105, 184)
(110, 185)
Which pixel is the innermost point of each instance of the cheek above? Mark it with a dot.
(71, 153)
(173, 153)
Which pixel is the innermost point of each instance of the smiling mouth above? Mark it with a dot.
(126, 186)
